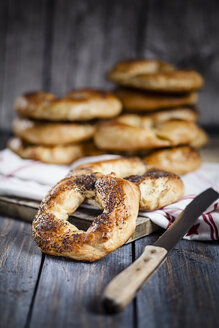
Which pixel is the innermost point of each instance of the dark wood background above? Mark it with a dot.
(58, 45)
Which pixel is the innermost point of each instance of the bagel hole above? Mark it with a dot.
(83, 217)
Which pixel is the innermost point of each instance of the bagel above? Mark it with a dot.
(153, 119)
(65, 154)
(60, 154)
(128, 69)
(132, 133)
(180, 132)
(77, 105)
(201, 139)
(179, 160)
(51, 133)
(158, 188)
(122, 167)
(140, 101)
(159, 76)
(118, 198)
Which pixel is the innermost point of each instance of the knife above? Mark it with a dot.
(124, 287)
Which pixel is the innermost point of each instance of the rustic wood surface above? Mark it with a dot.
(186, 288)
(58, 45)
(72, 298)
(44, 291)
(19, 268)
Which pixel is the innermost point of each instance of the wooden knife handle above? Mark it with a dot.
(124, 287)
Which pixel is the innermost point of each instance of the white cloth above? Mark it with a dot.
(32, 180)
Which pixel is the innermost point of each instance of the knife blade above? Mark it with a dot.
(124, 287)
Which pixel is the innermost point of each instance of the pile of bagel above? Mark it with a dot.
(159, 119)
(60, 130)
(151, 114)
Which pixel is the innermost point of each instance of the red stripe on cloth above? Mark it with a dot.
(170, 218)
(12, 173)
(214, 225)
(169, 224)
(214, 209)
(173, 218)
(211, 228)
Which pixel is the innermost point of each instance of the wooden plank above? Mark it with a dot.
(24, 53)
(19, 267)
(26, 210)
(185, 33)
(183, 292)
(92, 39)
(3, 35)
(4, 136)
(69, 293)
(59, 44)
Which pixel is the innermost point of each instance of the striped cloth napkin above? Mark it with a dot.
(32, 180)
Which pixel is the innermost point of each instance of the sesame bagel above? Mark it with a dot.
(160, 77)
(118, 198)
(140, 101)
(51, 133)
(77, 105)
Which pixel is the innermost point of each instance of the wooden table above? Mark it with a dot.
(38, 290)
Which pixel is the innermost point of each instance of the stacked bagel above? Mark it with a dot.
(159, 114)
(158, 123)
(60, 130)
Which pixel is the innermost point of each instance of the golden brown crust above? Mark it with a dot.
(179, 160)
(158, 187)
(52, 133)
(201, 139)
(179, 132)
(119, 198)
(133, 133)
(54, 235)
(114, 136)
(154, 119)
(122, 167)
(140, 101)
(65, 154)
(59, 154)
(127, 69)
(83, 104)
(157, 77)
